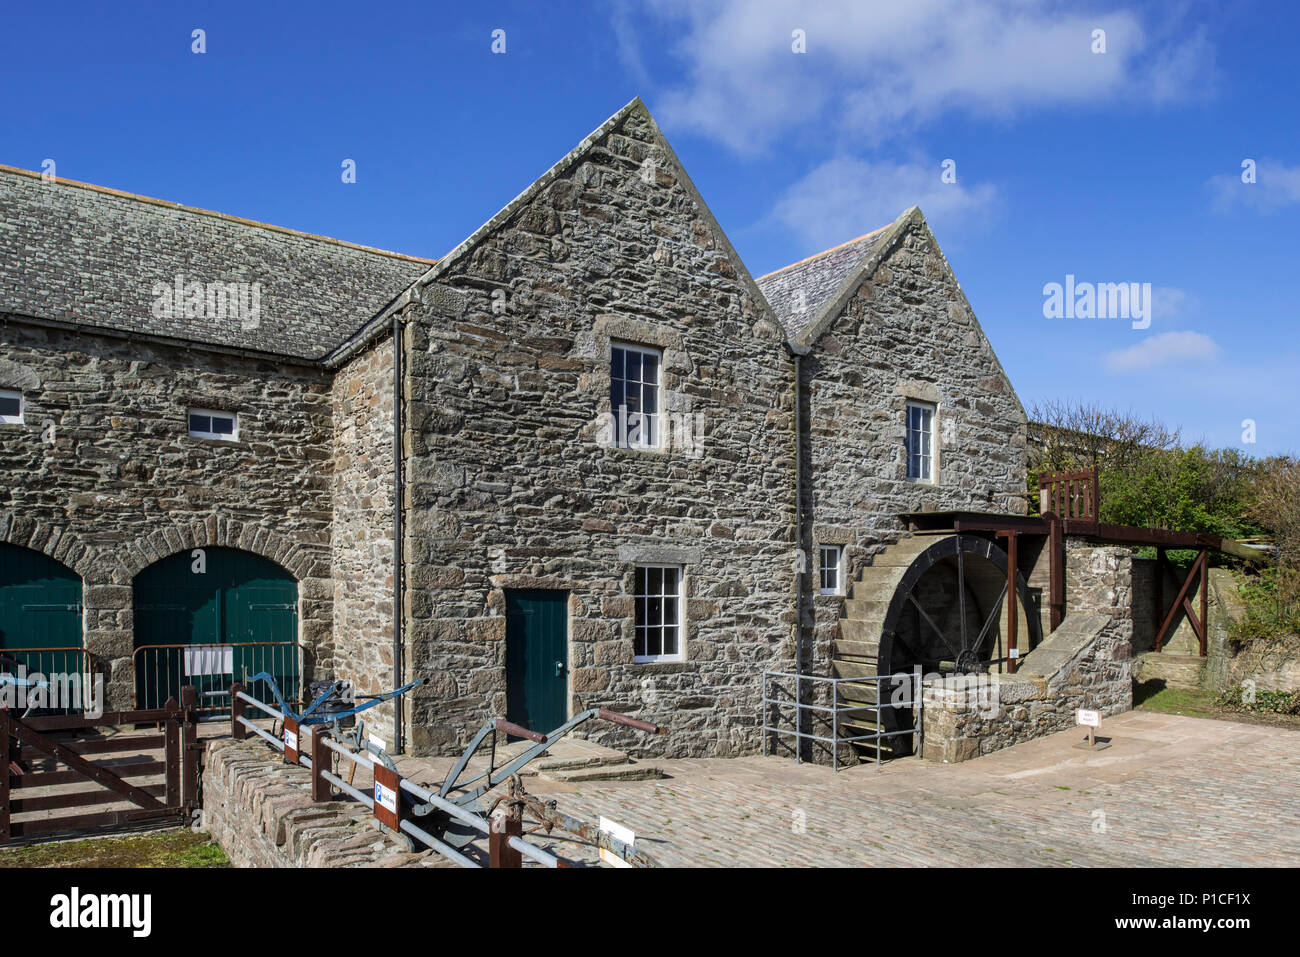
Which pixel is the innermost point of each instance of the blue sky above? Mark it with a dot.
(1115, 166)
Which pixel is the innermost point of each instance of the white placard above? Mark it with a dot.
(619, 832)
(1013, 652)
(386, 798)
(1090, 719)
(209, 660)
(291, 739)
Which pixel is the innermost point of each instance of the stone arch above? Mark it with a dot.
(50, 539)
(213, 532)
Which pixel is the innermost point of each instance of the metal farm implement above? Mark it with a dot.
(445, 817)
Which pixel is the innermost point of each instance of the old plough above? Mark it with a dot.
(448, 816)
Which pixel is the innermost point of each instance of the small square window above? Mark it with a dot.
(920, 441)
(658, 619)
(829, 570)
(11, 406)
(634, 395)
(209, 424)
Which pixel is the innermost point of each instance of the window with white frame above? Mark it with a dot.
(829, 568)
(210, 424)
(11, 406)
(659, 613)
(634, 395)
(920, 441)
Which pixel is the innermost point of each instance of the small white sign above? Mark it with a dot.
(1090, 719)
(1013, 652)
(291, 739)
(618, 832)
(386, 798)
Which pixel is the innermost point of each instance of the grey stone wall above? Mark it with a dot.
(510, 485)
(907, 333)
(362, 530)
(123, 485)
(260, 811)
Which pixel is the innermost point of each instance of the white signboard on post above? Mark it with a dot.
(1089, 719)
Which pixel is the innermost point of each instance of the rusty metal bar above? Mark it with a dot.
(1205, 600)
(519, 731)
(623, 719)
(505, 825)
(5, 770)
(320, 762)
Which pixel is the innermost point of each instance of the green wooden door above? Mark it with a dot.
(231, 597)
(40, 602)
(537, 658)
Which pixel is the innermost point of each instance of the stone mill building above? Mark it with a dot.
(584, 459)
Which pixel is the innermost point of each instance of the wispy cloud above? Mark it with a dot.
(1276, 185)
(1164, 348)
(846, 197)
(872, 71)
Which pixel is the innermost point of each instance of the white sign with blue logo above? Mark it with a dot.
(386, 798)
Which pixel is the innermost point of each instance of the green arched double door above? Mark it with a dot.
(40, 612)
(213, 597)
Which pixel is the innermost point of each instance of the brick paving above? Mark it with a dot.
(1170, 791)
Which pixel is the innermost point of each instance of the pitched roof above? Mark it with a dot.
(800, 292)
(88, 255)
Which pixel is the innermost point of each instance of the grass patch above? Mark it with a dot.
(178, 847)
(1156, 696)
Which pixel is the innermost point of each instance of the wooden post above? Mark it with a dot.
(172, 750)
(4, 776)
(1205, 599)
(320, 762)
(189, 748)
(1160, 590)
(237, 705)
(506, 823)
(1056, 572)
(1012, 605)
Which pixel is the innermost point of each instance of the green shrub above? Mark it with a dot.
(1265, 702)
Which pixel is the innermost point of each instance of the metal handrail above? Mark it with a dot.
(216, 711)
(836, 709)
(531, 851)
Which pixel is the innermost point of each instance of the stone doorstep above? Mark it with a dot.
(608, 772)
(566, 754)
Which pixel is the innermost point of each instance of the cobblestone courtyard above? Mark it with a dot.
(1171, 790)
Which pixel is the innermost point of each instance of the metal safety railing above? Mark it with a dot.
(44, 675)
(212, 670)
(848, 718)
(392, 815)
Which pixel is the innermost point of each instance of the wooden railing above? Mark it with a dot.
(1072, 495)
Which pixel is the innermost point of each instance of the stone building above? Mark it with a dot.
(619, 463)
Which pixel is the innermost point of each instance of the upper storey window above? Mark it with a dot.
(11, 406)
(208, 424)
(920, 441)
(634, 395)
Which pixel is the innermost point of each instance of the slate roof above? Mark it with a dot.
(799, 292)
(91, 256)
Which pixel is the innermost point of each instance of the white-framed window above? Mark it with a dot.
(634, 395)
(828, 566)
(11, 406)
(659, 632)
(920, 441)
(211, 424)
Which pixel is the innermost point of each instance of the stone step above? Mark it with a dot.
(867, 608)
(855, 629)
(639, 771)
(1176, 671)
(840, 668)
(856, 650)
(567, 753)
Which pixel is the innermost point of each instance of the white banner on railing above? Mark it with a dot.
(209, 660)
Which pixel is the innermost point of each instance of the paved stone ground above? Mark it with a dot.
(1170, 791)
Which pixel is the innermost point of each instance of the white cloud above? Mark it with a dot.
(846, 197)
(1163, 349)
(1276, 185)
(880, 69)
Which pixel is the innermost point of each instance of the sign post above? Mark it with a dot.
(1090, 720)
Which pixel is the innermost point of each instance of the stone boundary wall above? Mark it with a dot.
(260, 811)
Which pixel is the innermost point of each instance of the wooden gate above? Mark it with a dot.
(144, 775)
